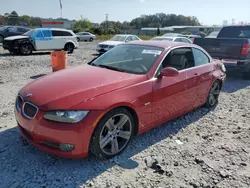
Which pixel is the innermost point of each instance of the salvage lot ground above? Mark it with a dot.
(214, 150)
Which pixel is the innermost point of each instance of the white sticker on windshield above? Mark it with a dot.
(154, 52)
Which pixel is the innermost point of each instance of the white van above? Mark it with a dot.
(42, 39)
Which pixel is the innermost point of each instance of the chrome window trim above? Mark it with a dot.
(25, 115)
(170, 49)
(19, 109)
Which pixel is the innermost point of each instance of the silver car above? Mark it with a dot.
(173, 39)
(85, 36)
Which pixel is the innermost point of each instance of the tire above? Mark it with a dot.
(1, 39)
(213, 95)
(112, 135)
(91, 39)
(69, 47)
(26, 49)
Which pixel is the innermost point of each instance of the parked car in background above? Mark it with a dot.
(115, 40)
(173, 39)
(214, 34)
(85, 36)
(8, 31)
(42, 39)
(192, 37)
(232, 45)
(129, 90)
(173, 35)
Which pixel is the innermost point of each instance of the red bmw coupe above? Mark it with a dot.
(101, 105)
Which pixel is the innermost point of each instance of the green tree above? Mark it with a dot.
(82, 25)
(26, 18)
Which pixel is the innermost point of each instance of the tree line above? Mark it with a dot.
(107, 27)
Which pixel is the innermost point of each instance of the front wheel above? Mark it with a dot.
(213, 95)
(26, 49)
(91, 39)
(112, 133)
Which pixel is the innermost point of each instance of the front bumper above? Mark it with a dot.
(47, 135)
(10, 45)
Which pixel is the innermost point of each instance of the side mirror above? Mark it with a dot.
(126, 41)
(169, 72)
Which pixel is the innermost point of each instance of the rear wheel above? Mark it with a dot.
(213, 95)
(26, 49)
(69, 47)
(91, 39)
(112, 133)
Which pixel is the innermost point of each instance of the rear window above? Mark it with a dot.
(235, 32)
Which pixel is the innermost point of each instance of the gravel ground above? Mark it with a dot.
(202, 149)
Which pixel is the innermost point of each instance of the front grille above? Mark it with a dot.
(19, 102)
(103, 46)
(29, 110)
(7, 43)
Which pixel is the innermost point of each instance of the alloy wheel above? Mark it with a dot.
(214, 94)
(26, 49)
(115, 134)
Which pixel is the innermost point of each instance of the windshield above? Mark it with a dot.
(3, 28)
(29, 33)
(118, 38)
(161, 38)
(135, 59)
(214, 33)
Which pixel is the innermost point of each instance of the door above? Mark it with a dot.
(203, 70)
(44, 39)
(171, 95)
(85, 36)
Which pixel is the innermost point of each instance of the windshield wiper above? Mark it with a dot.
(112, 68)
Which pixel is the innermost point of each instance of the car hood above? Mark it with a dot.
(16, 37)
(66, 88)
(110, 42)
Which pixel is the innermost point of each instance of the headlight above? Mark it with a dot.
(65, 116)
(111, 46)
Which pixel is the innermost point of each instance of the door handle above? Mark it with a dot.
(196, 74)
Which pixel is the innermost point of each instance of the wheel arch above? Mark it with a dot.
(128, 108)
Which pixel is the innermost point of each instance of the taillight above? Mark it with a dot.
(245, 49)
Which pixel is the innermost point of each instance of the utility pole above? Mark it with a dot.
(107, 17)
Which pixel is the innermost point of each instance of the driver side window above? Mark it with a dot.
(181, 59)
(128, 39)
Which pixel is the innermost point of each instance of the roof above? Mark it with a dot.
(161, 44)
(125, 35)
(55, 29)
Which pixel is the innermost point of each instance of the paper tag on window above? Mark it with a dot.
(154, 52)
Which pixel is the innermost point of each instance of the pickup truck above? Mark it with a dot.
(232, 46)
